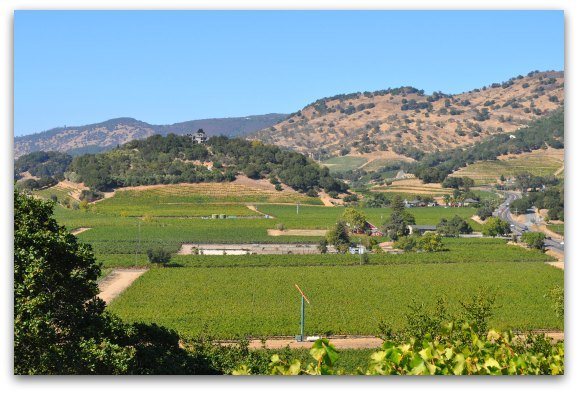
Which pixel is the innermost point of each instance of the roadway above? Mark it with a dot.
(503, 212)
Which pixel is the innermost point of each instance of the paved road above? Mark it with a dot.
(503, 211)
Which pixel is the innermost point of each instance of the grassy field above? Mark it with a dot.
(260, 301)
(313, 217)
(539, 162)
(343, 164)
(558, 228)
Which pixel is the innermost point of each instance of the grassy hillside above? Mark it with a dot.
(404, 120)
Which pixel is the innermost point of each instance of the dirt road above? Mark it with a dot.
(345, 342)
(78, 231)
(117, 281)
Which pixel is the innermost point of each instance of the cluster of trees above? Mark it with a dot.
(414, 105)
(174, 159)
(458, 183)
(486, 209)
(495, 226)
(547, 192)
(43, 164)
(428, 242)
(257, 160)
(534, 239)
(453, 227)
(33, 184)
(547, 131)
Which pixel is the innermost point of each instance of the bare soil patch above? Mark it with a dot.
(477, 219)
(297, 232)
(348, 342)
(117, 281)
(338, 342)
(78, 231)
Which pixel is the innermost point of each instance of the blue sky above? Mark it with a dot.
(81, 67)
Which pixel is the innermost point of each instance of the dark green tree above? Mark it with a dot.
(397, 223)
(339, 237)
(60, 325)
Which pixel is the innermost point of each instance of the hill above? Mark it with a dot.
(404, 122)
(94, 138)
(174, 159)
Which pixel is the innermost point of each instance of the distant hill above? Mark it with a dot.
(94, 138)
(404, 123)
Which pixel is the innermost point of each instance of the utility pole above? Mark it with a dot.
(139, 249)
(304, 299)
(297, 207)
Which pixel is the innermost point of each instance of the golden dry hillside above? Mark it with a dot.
(397, 122)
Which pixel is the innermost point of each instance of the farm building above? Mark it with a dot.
(421, 229)
(414, 203)
(374, 230)
(469, 201)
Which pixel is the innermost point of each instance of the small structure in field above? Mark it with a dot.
(359, 249)
(421, 229)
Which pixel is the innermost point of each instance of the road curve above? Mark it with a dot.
(503, 212)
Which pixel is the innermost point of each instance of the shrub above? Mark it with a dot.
(534, 239)
(158, 255)
(495, 227)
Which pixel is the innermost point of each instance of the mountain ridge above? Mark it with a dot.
(105, 135)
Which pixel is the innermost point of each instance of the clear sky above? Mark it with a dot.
(163, 67)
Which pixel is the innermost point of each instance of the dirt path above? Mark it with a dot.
(359, 342)
(117, 281)
(78, 231)
(327, 200)
(560, 170)
(297, 232)
(253, 208)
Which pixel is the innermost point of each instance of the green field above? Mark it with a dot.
(319, 217)
(262, 301)
(458, 251)
(125, 225)
(344, 163)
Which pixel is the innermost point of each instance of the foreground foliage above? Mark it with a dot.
(60, 326)
(470, 354)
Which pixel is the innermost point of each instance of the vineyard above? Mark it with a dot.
(314, 217)
(414, 187)
(231, 302)
(538, 162)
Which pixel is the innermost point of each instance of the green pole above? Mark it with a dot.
(302, 318)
